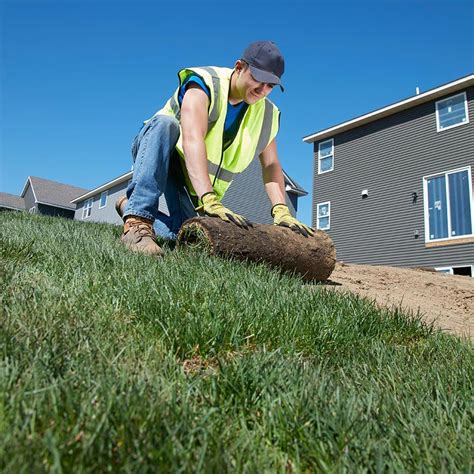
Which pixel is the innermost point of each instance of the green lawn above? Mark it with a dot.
(111, 361)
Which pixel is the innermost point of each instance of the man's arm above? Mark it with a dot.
(275, 188)
(273, 174)
(194, 128)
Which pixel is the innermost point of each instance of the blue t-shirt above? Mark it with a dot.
(235, 113)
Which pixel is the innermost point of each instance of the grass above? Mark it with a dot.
(111, 361)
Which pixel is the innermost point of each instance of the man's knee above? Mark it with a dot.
(166, 124)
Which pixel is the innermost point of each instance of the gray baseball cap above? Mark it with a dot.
(265, 61)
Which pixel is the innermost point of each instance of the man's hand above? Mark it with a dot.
(211, 206)
(282, 216)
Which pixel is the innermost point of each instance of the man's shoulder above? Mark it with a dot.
(215, 71)
(269, 102)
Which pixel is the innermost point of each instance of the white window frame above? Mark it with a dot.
(443, 270)
(87, 209)
(466, 111)
(104, 193)
(328, 204)
(319, 156)
(451, 269)
(426, 210)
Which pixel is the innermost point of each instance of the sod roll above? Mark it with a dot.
(314, 258)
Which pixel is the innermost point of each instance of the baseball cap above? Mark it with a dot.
(265, 61)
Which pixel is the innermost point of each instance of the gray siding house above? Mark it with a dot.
(43, 196)
(10, 202)
(394, 186)
(246, 196)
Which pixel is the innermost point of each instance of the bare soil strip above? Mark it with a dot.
(445, 300)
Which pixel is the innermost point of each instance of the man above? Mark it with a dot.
(214, 125)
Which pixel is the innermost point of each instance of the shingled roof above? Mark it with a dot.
(53, 193)
(11, 201)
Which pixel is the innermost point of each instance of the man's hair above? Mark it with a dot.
(245, 64)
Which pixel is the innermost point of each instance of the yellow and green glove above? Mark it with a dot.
(209, 205)
(282, 216)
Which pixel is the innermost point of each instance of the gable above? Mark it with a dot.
(54, 193)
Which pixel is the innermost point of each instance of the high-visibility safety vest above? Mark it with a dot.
(258, 128)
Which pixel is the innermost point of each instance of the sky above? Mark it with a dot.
(77, 78)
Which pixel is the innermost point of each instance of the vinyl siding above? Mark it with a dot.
(29, 197)
(247, 196)
(390, 157)
(108, 213)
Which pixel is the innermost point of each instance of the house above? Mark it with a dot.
(394, 186)
(43, 196)
(10, 202)
(98, 205)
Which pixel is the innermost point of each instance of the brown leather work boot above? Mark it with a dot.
(120, 205)
(139, 236)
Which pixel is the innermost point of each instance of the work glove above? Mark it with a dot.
(211, 206)
(282, 216)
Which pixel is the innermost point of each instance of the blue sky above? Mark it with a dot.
(77, 78)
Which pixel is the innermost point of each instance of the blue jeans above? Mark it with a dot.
(157, 170)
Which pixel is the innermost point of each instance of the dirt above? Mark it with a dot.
(442, 299)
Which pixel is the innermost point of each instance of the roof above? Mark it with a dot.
(103, 187)
(53, 193)
(11, 201)
(291, 186)
(404, 104)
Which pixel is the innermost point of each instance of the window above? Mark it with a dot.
(448, 209)
(87, 209)
(324, 211)
(447, 270)
(326, 156)
(103, 199)
(451, 112)
(463, 271)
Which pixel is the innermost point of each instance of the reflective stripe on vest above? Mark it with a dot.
(215, 110)
(228, 176)
(264, 138)
(215, 85)
(175, 108)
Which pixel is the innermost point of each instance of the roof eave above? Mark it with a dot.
(104, 187)
(296, 191)
(61, 206)
(292, 186)
(4, 206)
(26, 186)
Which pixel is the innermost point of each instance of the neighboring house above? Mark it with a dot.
(394, 186)
(246, 196)
(10, 202)
(43, 196)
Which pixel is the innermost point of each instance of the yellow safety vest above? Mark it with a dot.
(258, 128)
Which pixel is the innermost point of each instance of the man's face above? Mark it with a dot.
(250, 90)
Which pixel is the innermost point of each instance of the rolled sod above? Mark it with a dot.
(314, 258)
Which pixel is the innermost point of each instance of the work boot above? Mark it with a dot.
(120, 205)
(138, 235)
